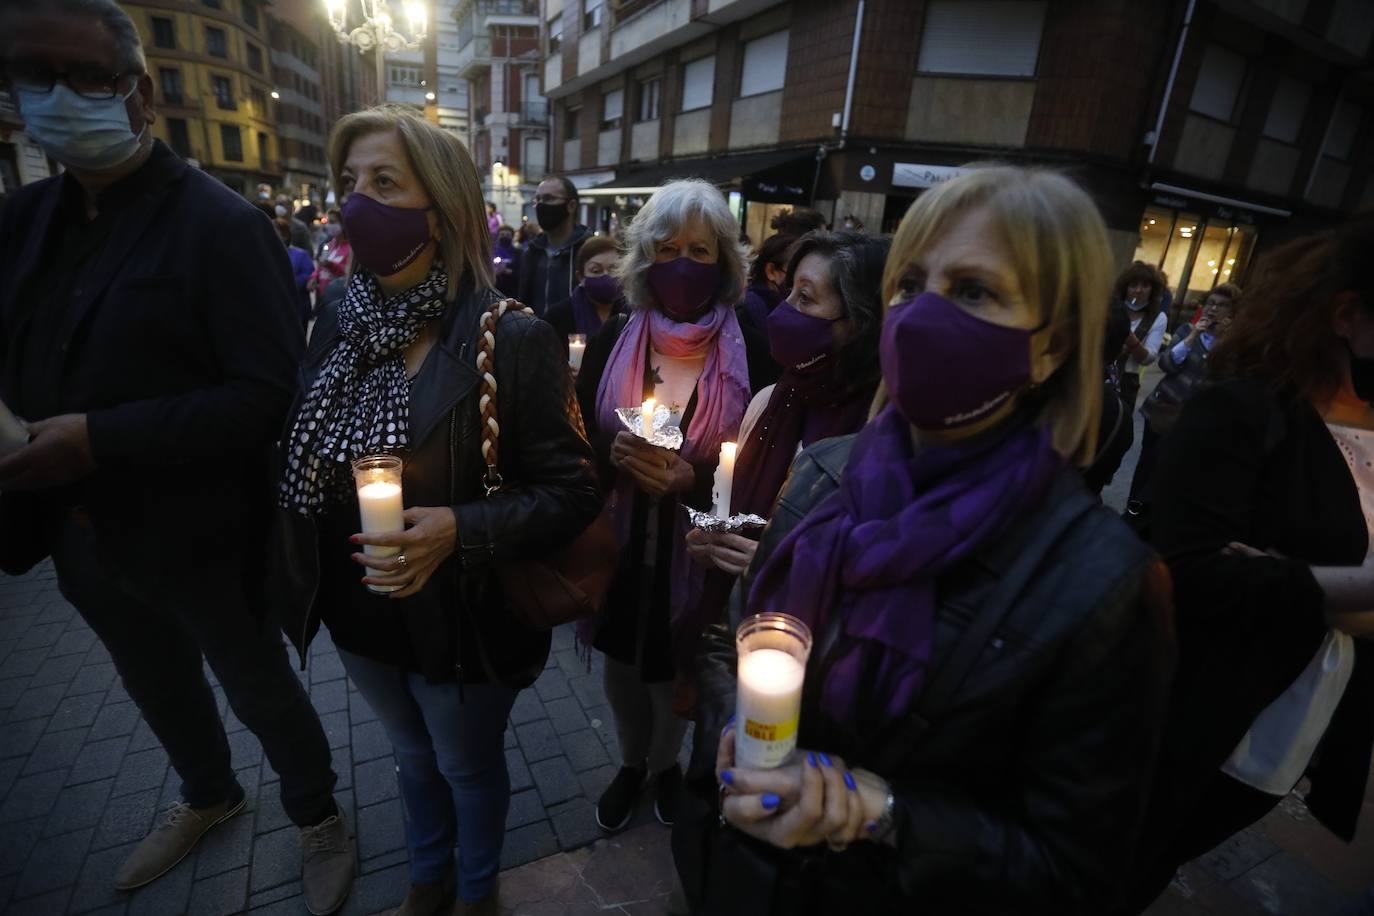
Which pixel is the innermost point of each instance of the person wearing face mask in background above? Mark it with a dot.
(300, 232)
(548, 263)
(334, 262)
(955, 574)
(505, 261)
(301, 267)
(1272, 561)
(683, 271)
(154, 400)
(393, 369)
(767, 285)
(597, 298)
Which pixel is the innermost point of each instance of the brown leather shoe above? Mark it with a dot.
(176, 834)
(328, 864)
(430, 898)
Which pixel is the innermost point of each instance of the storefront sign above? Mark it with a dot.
(778, 192)
(912, 175)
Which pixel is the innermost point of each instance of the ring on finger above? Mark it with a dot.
(401, 561)
(836, 847)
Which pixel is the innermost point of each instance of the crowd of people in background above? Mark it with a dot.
(1017, 700)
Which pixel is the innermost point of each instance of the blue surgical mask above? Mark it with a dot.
(82, 133)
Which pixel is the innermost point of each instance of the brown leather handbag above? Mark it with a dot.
(572, 583)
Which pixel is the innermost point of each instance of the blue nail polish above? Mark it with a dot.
(811, 758)
(727, 777)
(871, 826)
(729, 724)
(770, 800)
(849, 781)
(825, 759)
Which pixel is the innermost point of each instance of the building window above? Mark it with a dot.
(591, 14)
(612, 109)
(215, 44)
(259, 102)
(250, 13)
(213, 4)
(178, 137)
(231, 141)
(1287, 109)
(1345, 124)
(556, 34)
(765, 65)
(1218, 83)
(224, 92)
(992, 37)
(698, 83)
(164, 32)
(264, 149)
(648, 99)
(170, 77)
(255, 57)
(405, 76)
(572, 124)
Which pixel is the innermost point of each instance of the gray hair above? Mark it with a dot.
(128, 46)
(670, 208)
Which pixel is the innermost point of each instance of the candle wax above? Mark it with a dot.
(768, 707)
(379, 505)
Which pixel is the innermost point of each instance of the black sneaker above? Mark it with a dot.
(617, 803)
(669, 791)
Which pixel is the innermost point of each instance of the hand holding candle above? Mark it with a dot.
(378, 479)
(773, 649)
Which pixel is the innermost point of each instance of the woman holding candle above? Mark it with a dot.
(952, 534)
(597, 295)
(825, 336)
(682, 272)
(391, 370)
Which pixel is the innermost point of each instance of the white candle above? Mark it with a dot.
(577, 347)
(647, 417)
(724, 481)
(768, 707)
(380, 506)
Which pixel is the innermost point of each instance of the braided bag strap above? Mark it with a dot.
(486, 403)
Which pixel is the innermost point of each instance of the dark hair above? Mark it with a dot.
(798, 221)
(569, 189)
(283, 228)
(773, 251)
(1228, 291)
(597, 244)
(1139, 272)
(856, 274)
(1284, 335)
(111, 16)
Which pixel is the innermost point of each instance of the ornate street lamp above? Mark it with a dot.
(378, 32)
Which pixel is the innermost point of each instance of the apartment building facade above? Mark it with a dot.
(1206, 130)
(500, 60)
(212, 74)
(299, 106)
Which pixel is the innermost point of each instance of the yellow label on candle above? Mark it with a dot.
(764, 731)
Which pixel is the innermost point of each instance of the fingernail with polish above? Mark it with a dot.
(727, 777)
(353, 539)
(871, 826)
(770, 800)
(811, 758)
(825, 759)
(849, 781)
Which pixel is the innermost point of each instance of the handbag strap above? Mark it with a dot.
(486, 403)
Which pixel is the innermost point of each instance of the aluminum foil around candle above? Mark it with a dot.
(733, 525)
(665, 434)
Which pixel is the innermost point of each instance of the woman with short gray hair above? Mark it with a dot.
(682, 273)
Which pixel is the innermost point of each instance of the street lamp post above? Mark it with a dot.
(378, 33)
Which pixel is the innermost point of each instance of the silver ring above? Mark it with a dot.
(401, 561)
(836, 847)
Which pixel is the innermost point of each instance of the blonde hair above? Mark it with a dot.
(1059, 251)
(670, 208)
(449, 177)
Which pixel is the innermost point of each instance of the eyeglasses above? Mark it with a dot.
(89, 84)
(541, 199)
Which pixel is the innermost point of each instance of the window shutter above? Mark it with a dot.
(698, 82)
(765, 64)
(993, 37)
(1218, 83)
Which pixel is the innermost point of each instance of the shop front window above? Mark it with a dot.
(1195, 252)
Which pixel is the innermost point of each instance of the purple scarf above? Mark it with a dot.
(586, 319)
(759, 302)
(873, 550)
(722, 394)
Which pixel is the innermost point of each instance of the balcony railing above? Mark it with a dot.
(473, 55)
(534, 113)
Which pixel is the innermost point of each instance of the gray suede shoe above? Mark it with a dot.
(327, 866)
(175, 834)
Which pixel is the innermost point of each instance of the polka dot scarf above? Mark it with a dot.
(360, 402)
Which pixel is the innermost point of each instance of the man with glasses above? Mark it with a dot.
(547, 264)
(153, 399)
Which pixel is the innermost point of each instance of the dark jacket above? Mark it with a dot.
(564, 319)
(548, 275)
(1275, 480)
(1182, 378)
(458, 627)
(177, 334)
(1025, 796)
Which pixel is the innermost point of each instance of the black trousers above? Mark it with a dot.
(157, 637)
(1145, 466)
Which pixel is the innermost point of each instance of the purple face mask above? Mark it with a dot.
(799, 341)
(385, 239)
(604, 288)
(944, 368)
(685, 289)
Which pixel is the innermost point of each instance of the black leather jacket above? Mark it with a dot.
(457, 626)
(1027, 794)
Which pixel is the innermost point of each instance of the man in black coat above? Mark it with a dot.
(548, 263)
(148, 334)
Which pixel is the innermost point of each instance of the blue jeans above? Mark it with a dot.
(452, 765)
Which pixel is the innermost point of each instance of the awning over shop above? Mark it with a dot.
(779, 176)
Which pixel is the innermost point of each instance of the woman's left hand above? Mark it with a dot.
(430, 539)
(812, 800)
(732, 553)
(658, 471)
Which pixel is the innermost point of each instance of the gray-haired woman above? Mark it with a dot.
(682, 274)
